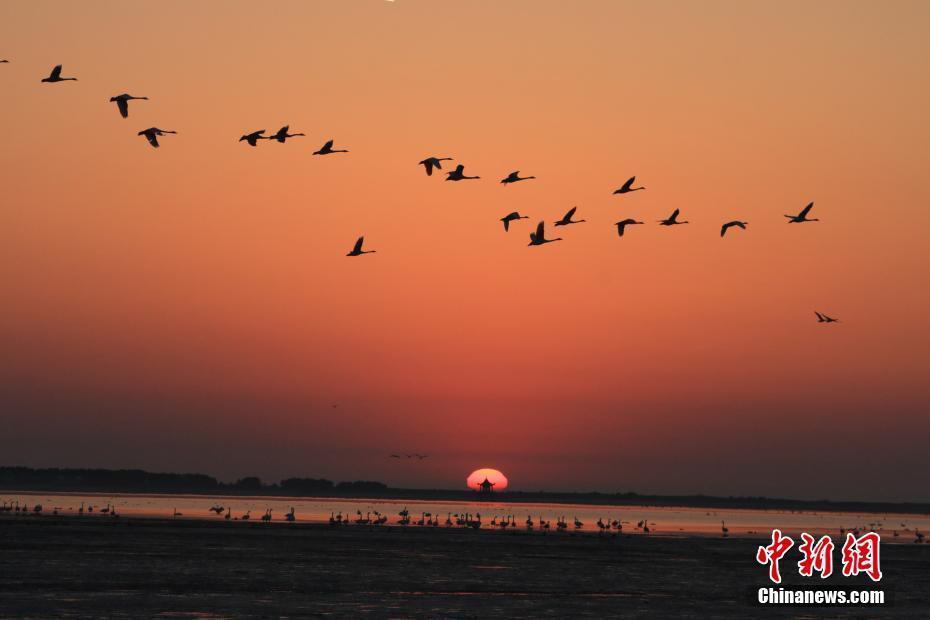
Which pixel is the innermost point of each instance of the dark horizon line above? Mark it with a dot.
(101, 480)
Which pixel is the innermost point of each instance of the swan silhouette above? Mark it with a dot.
(151, 134)
(55, 76)
(458, 174)
(281, 135)
(802, 216)
(357, 250)
(729, 225)
(122, 102)
(621, 225)
(328, 148)
(513, 177)
(253, 138)
(539, 237)
(567, 218)
(510, 217)
(823, 318)
(672, 220)
(433, 162)
(628, 187)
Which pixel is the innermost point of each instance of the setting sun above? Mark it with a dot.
(493, 476)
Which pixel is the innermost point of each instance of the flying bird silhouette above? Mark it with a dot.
(511, 217)
(55, 76)
(282, 134)
(567, 218)
(513, 177)
(3, 61)
(672, 220)
(729, 225)
(621, 225)
(539, 237)
(458, 174)
(328, 148)
(433, 162)
(358, 251)
(253, 138)
(628, 187)
(122, 102)
(151, 134)
(823, 318)
(802, 216)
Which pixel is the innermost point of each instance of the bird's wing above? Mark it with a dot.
(328, 145)
(436, 163)
(629, 183)
(152, 138)
(358, 244)
(429, 167)
(819, 316)
(806, 210)
(541, 230)
(506, 221)
(570, 213)
(723, 229)
(621, 226)
(674, 214)
(123, 106)
(56, 72)
(460, 169)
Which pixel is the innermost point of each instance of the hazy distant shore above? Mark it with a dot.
(101, 567)
(20, 480)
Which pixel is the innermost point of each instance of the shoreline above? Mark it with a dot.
(105, 567)
(519, 497)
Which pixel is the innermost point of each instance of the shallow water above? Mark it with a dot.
(661, 520)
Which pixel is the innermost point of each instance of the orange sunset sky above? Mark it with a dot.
(191, 308)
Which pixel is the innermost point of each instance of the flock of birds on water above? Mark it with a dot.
(464, 520)
(537, 237)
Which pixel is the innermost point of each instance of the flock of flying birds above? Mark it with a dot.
(537, 237)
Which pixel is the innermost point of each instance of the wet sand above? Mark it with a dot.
(104, 567)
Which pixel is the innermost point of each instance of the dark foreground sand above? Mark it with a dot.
(100, 567)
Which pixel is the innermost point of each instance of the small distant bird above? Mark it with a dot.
(3, 61)
(433, 162)
(823, 318)
(621, 225)
(511, 217)
(421, 456)
(328, 148)
(55, 76)
(151, 134)
(513, 177)
(672, 220)
(122, 102)
(567, 218)
(539, 237)
(394, 456)
(729, 225)
(628, 187)
(282, 134)
(724, 529)
(254, 137)
(458, 174)
(802, 216)
(358, 251)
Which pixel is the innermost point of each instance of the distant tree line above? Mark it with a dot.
(140, 481)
